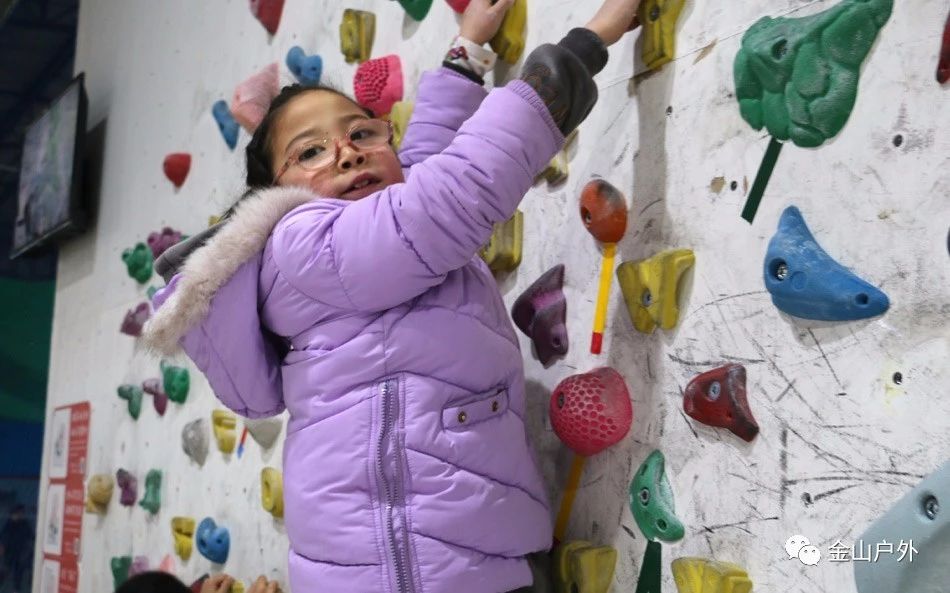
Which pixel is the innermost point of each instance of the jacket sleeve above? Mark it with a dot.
(444, 101)
(231, 349)
(383, 250)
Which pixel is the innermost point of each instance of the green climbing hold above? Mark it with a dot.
(150, 293)
(152, 501)
(651, 501)
(175, 382)
(417, 9)
(120, 570)
(798, 77)
(138, 262)
(133, 395)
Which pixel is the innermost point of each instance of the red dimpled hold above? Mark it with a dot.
(377, 84)
(268, 13)
(592, 411)
(718, 398)
(604, 211)
(943, 66)
(176, 167)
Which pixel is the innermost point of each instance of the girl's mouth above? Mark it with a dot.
(361, 182)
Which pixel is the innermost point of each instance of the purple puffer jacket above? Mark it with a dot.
(406, 465)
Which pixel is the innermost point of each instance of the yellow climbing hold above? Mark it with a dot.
(580, 567)
(651, 288)
(700, 575)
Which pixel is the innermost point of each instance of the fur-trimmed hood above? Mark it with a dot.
(211, 265)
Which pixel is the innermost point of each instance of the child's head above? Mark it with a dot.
(317, 137)
(153, 582)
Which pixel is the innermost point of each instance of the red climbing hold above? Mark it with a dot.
(176, 167)
(943, 67)
(591, 411)
(718, 398)
(458, 6)
(268, 13)
(378, 84)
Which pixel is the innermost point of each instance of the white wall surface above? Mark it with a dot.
(819, 392)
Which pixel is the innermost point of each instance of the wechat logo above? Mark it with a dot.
(799, 547)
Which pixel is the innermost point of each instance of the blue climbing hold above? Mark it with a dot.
(306, 69)
(806, 282)
(226, 123)
(213, 541)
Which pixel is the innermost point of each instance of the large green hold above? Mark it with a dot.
(798, 77)
(651, 501)
(175, 382)
(138, 262)
(152, 501)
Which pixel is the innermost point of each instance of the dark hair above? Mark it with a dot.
(153, 582)
(258, 151)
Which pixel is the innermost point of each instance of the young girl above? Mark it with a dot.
(346, 289)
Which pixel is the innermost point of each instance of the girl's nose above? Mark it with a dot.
(349, 157)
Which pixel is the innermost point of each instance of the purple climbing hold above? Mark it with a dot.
(153, 387)
(139, 565)
(540, 312)
(129, 487)
(135, 319)
(160, 241)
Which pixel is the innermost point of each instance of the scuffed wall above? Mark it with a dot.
(839, 439)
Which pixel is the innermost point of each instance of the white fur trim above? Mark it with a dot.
(207, 269)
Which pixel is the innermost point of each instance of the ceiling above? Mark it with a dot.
(37, 46)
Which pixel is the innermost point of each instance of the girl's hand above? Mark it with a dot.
(614, 18)
(219, 583)
(483, 18)
(262, 585)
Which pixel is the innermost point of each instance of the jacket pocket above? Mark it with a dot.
(482, 407)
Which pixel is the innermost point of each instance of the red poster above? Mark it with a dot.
(61, 531)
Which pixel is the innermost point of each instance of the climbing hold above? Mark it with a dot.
(377, 84)
(226, 122)
(798, 77)
(264, 430)
(417, 9)
(153, 387)
(138, 262)
(603, 211)
(160, 241)
(175, 382)
(580, 567)
(306, 69)
(806, 282)
(558, 169)
(128, 487)
(152, 500)
(183, 532)
(651, 501)
(138, 566)
(213, 541)
(236, 587)
(943, 66)
(272, 492)
(399, 116)
(120, 566)
(718, 398)
(591, 411)
(224, 423)
(268, 13)
(176, 167)
(356, 35)
(99, 493)
(167, 564)
(701, 575)
(252, 97)
(150, 292)
(194, 440)
(503, 251)
(133, 395)
(658, 18)
(458, 6)
(508, 42)
(134, 320)
(651, 288)
(541, 313)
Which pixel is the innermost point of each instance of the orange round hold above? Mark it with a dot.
(604, 211)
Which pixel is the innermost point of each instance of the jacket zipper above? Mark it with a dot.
(387, 436)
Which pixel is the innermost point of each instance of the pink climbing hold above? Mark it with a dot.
(159, 242)
(252, 97)
(176, 166)
(377, 84)
(167, 565)
(268, 13)
(458, 6)
(135, 319)
(153, 387)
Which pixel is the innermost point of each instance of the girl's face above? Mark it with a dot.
(311, 118)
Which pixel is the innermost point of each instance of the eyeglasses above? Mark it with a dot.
(365, 134)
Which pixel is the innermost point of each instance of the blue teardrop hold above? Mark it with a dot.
(806, 282)
(306, 69)
(226, 123)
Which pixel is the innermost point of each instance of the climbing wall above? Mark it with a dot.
(851, 414)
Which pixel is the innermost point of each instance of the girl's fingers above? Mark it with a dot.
(272, 587)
